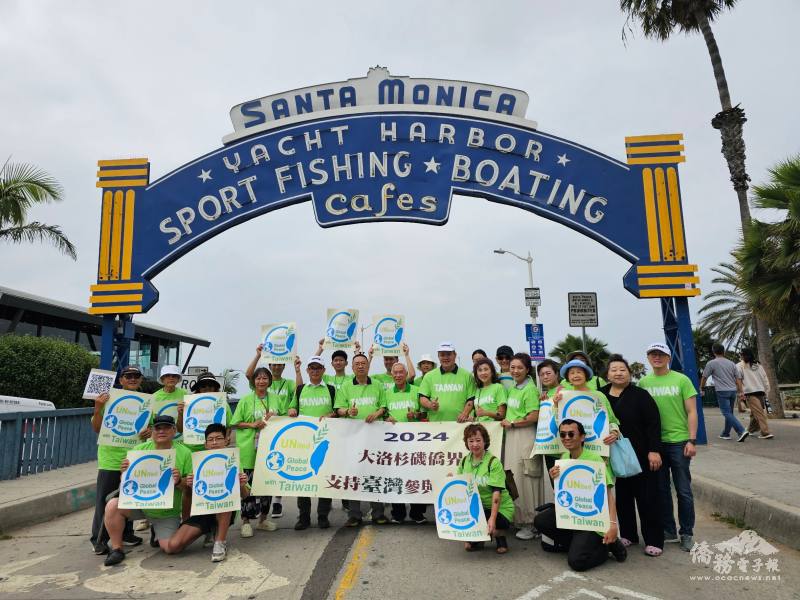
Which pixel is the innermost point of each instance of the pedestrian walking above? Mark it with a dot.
(756, 388)
(728, 386)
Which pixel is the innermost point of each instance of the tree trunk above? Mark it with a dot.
(729, 122)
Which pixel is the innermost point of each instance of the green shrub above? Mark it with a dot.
(44, 369)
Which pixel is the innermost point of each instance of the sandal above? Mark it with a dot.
(653, 551)
(625, 541)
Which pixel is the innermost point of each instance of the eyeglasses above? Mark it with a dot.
(215, 439)
(567, 434)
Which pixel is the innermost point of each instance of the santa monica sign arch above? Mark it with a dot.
(387, 148)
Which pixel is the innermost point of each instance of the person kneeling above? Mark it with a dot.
(490, 477)
(585, 549)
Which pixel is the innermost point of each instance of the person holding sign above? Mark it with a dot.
(522, 413)
(402, 404)
(579, 374)
(363, 399)
(503, 357)
(109, 459)
(164, 522)
(547, 373)
(386, 379)
(250, 417)
(595, 382)
(215, 524)
(490, 477)
(447, 393)
(206, 383)
(640, 422)
(314, 399)
(170, 395)
(585, 549)
(490, 394)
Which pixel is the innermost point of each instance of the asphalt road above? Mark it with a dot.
(54, 561)
(784, 446)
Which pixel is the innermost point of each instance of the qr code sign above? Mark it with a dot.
(99, 382)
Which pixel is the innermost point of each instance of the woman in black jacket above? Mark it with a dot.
(640, 422)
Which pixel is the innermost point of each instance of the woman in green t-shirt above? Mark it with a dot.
(490, 477)
(250, 417)
(490, 395)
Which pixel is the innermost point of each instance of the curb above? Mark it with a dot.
(46, 507)
(768, 517)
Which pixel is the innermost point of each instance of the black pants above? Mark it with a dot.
(253, 507)
(416, 512)
(304, 506)
(501, 524)
(585, 549)
(107, 482)
(640, 492)
(549, 463)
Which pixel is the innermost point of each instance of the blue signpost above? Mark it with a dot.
(384, 148)
(535, 336)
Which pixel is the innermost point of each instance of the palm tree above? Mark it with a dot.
(21, 187)
(230, 378)
(595, 348)
(659, 19)
(728, 314)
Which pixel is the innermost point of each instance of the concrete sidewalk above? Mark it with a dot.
(44, 496)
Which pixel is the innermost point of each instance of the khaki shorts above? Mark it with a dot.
(165, 528)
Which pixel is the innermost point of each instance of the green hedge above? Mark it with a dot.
(44, 369)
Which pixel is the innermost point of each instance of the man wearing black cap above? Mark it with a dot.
(503, 357)
(164, 522)
(109, 459)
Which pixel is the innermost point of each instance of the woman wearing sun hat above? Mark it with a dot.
(425, 364)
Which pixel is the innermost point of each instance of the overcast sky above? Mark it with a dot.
(84, 81)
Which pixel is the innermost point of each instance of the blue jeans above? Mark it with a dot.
(726, 400)
(676, 465)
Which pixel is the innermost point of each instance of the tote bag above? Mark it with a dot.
(624, 462)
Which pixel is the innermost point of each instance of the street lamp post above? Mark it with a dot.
(528, 260)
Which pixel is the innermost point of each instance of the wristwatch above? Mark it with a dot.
(692, 441)
(512, 424)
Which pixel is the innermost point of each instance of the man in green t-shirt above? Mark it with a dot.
(314, 399)
(402, 404)
(339, 364)
(362, 399)
(386, 378)
(164, 521)
(109, 459)
(585, 549)
(676, 399)
(447, 393)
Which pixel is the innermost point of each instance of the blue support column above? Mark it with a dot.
(107, 342)
(678, 333)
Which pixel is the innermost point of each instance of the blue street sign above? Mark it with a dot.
(535, 336)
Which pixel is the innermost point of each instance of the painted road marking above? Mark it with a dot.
(24, 583)
(354, 566)
(583, 592)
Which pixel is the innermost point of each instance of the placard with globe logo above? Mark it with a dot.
(200, 411)
(280, 343)
(215, 484)
(580, 495)
(388, 336)
(459, 512)
(588, 409)
(547, 440)
(147, 482)
(126, 414)
(340, 333)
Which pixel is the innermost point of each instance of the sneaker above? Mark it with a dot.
(302, 524)
(380, 520)
(352, 522)
(724, 437)
(131, 540)
(421, 521)
(219, 552)
(686, 543)
(141, 525)
(526, 533)
(323, 523)
(618, 550)
(208, 541)
(671, 538)
(100, 548)
(266, 526)
(768, 436)
(394, 521)
(277, 510)
(114, 557)
(247, 530)
(744, 436)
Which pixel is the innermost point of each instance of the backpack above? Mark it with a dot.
(511, 485)
(331, 391)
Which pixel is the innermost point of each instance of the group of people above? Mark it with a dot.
(658, 416)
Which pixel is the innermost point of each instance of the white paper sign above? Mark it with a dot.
(588, 409)
(200, 411)
(126, 414)
(388, 336)
(459, 512)
(340, 334)
(280, 343)
(147, 482)
(215, 484)
(580, 495)
(99, 382)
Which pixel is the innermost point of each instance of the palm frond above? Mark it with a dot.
(22, 186)
(39, 232)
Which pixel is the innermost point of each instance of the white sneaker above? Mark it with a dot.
(247, 530)
(266, 526)
(744, 436)
(526, 533)
(141, 525)
(219, 552)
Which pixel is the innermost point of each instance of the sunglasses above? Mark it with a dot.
(131, 376)
(567, 434)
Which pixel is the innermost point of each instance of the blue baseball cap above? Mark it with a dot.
(577, 363)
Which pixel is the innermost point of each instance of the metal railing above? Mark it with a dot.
(37, 441)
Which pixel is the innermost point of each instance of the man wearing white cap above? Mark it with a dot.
(675, 397)
(447, 393)
(425, 364)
